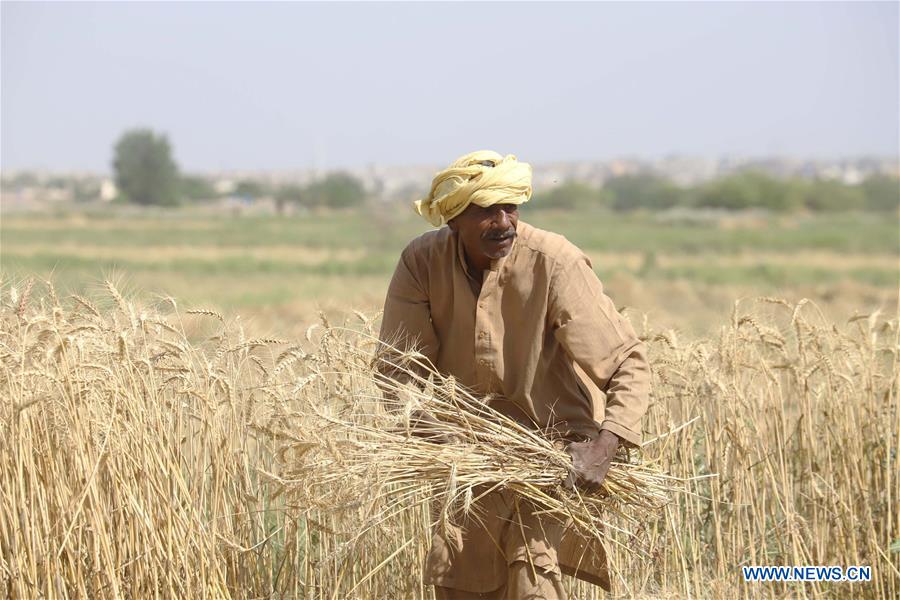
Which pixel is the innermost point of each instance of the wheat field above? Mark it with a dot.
(279, 272)
(147, 451)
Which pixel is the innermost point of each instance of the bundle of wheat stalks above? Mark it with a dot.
(398, 446)
(146, 450)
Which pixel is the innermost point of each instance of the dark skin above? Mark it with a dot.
(591, 460)
(486, 235)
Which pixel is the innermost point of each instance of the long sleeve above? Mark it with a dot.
(406, 322)
(603, 344)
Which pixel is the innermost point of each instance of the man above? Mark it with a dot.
(517, 314)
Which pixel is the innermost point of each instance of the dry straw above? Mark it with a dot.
(416, 439)
(142, 452)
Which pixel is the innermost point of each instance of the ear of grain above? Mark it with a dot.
(138, 462)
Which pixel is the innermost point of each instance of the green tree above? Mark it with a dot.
(144, 168)
(631, 192)
(751, 190)
(195, 188)
(881, 193)
(85, 190)
(338, 190)
(568, 196)
(288, 194)
(830, 195)
(250, 188)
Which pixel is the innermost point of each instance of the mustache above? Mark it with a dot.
(500, 236)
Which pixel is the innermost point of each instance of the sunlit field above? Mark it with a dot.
(277, 272)
(170, 399)
(203, 205)
(150, 451)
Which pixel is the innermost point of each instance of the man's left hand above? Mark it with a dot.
(590, 461)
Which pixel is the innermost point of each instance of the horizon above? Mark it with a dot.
(736, 160)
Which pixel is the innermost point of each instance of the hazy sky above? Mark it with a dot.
(280, 86)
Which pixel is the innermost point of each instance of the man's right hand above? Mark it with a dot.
(591, 461)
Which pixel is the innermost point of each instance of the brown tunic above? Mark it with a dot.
(538, 334)
(540, 312)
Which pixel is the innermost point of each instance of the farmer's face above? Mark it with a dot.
(486, 233)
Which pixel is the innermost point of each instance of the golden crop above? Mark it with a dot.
(152, 451)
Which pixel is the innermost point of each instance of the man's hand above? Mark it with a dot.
(590, 461)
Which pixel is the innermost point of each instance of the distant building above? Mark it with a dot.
(225, 187)
(108, 190)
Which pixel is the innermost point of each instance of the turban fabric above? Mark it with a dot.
(484, 178)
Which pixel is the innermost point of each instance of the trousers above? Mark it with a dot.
(521, 583)
(502, 551)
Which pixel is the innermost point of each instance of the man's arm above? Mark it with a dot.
(605, 346)
(406, 322)
(406, 325)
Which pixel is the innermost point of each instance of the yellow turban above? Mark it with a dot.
(484, 178)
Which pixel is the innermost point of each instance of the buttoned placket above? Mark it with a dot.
(487, 312)
(484, 355)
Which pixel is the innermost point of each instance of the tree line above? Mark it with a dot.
(147, 174)
(738, 191)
